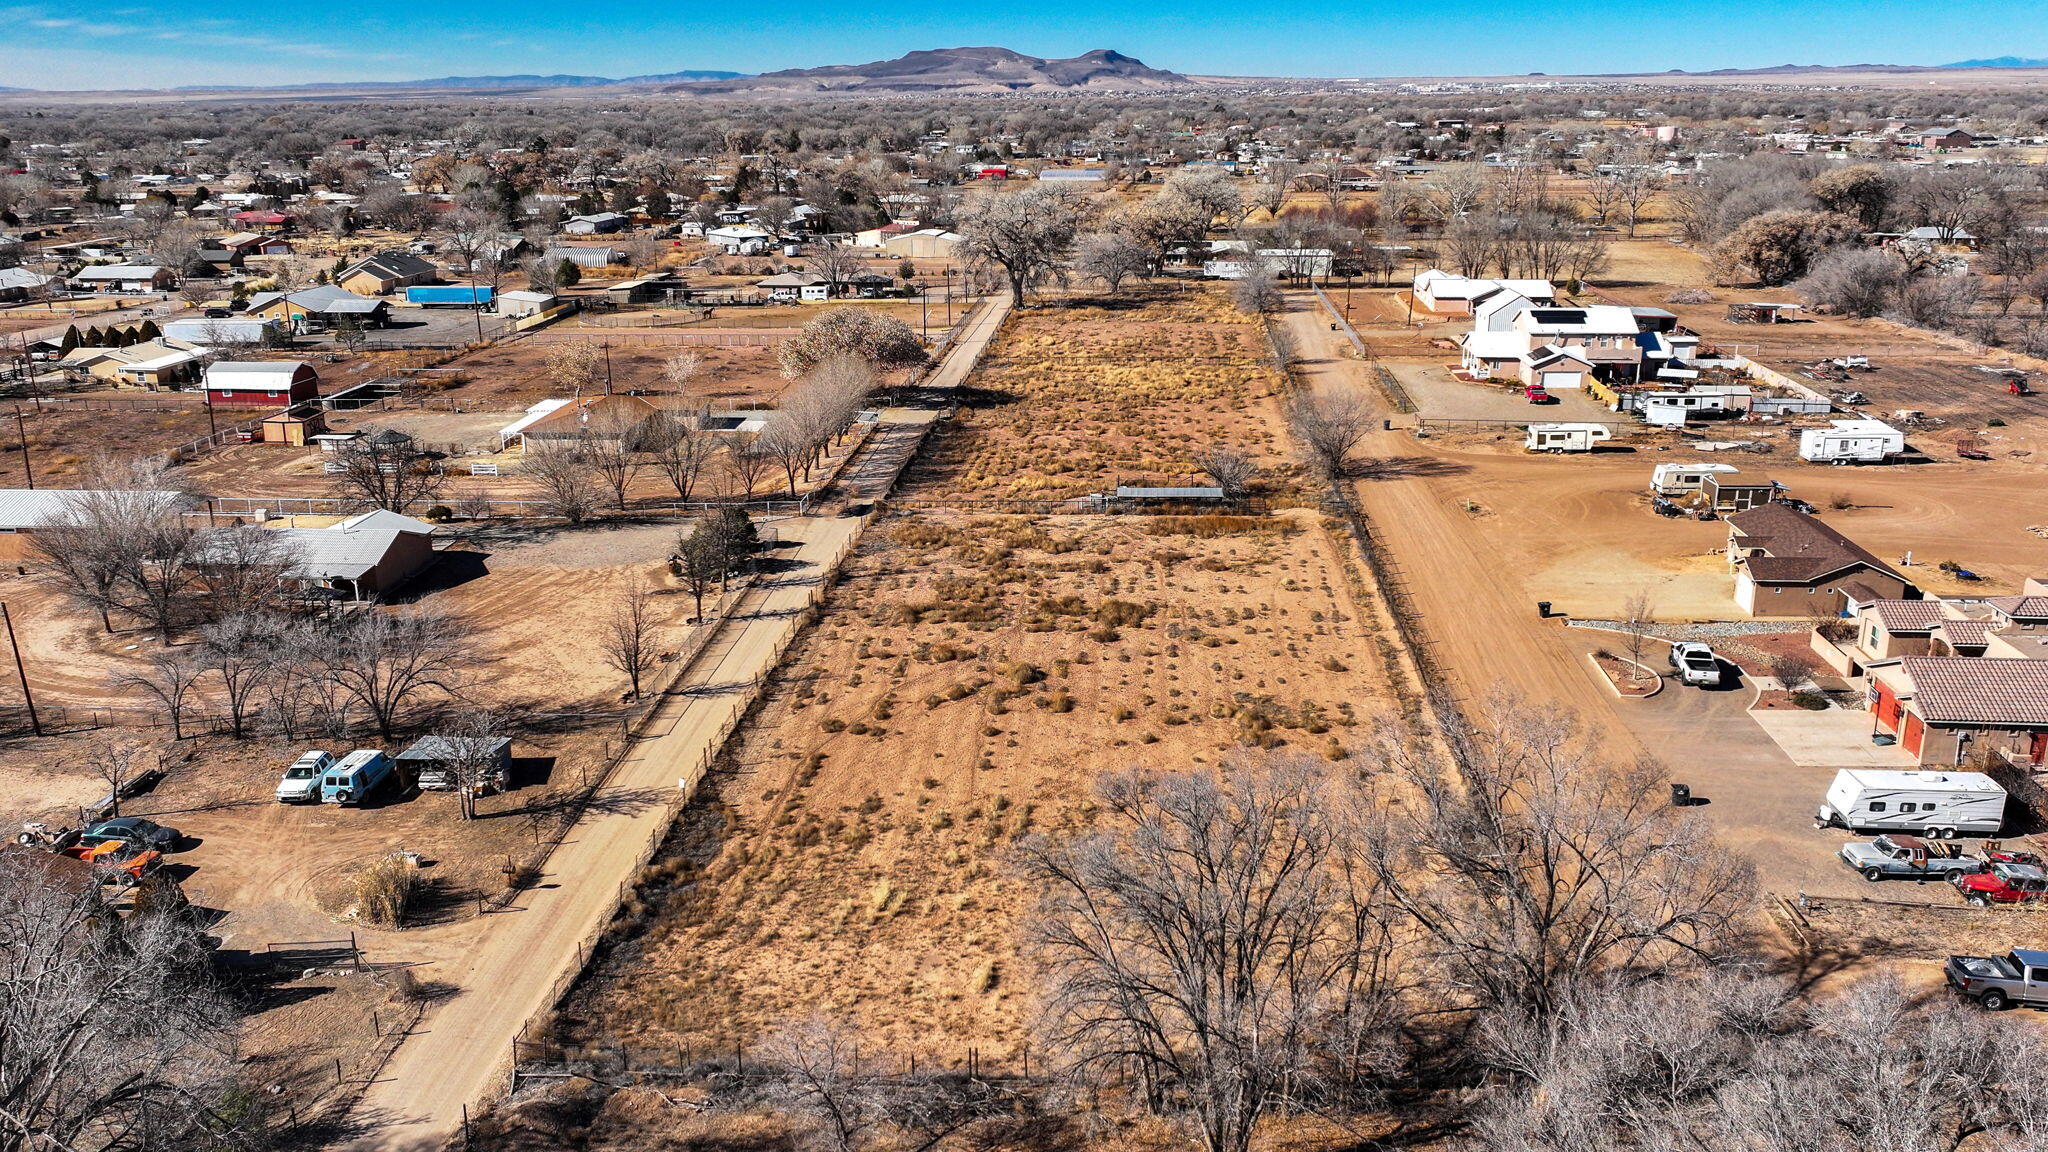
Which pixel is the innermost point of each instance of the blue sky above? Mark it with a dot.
(181, 42)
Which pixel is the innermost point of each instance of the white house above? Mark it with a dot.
(740, 239)
(122, 278)
(1444, 292)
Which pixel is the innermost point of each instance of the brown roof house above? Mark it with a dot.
(1789, 563)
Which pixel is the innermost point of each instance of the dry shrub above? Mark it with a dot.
(386, 890)
(1210, 527)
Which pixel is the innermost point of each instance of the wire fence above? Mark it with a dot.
(1388, 383)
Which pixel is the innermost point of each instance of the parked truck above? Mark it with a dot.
(2003, 882)
(1696, 664)
(1901, 857)
(2018, 977)
(1930, 803)
(359, 774)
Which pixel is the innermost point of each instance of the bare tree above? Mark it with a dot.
(576, 366)
(387, 663)
(1636, 623)
(626, 638)
(562, 473)
(169, 677)
(119, 763)
(679, 370)
(382, 469)
(240, 650)
(820, 1080)
(116, 1037)
(469, 742)
(1231, 469)
(1529, 863)
(612, 443)
(1111, 258)
(1199, 940)
(1024, 233)
(1257, 292)
(679, 450)
(1329, 427)
(746, 460)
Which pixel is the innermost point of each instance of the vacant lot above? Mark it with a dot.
(516, 374)
(63, 435)
(1072, 400)
(969, 681)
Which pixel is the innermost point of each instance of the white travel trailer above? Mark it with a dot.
(1944, 804)
(1851, 442)
(1680, 479)
(1565, 437)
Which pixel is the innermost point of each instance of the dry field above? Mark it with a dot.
(62, 438)
(1071, 400)
(513, 375)
(968, 681)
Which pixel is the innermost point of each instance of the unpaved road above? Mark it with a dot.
(461, 1049)
(1473, 615)
(965, 351)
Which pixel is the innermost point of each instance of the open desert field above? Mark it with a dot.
(968, 681)
(1075, 400)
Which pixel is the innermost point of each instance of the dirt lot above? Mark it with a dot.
(968, 680)
(1073, 400)
(514, 375)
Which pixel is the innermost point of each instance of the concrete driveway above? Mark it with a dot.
(1835, 738)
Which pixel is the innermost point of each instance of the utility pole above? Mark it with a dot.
(35, 723)
(21, 432)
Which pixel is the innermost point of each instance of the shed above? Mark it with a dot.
(294, 431)
(521, 302)
(1737, 492)
(428, 762)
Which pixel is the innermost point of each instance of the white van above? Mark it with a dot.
(1931, 803)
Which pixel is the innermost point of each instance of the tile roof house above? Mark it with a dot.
(1951, 709)
(1789, 563)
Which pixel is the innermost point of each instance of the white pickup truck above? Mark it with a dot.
(1696, 664)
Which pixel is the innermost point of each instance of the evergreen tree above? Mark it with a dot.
(567, 274)
(148, 331)
(95, 337)
(70, 342)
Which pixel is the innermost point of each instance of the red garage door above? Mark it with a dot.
(1915, 733)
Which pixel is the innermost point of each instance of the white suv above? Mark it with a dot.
(301, 783)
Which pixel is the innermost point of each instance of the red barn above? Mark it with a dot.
(261, 383)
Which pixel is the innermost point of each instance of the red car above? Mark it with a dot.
(2003, 882)
(1537, 395)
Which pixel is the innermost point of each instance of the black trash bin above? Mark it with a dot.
(1681, 795)
(1543, 609)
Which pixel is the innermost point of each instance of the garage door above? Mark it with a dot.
(1560, 380)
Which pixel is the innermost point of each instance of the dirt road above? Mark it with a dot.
(460, 1052)
(1473, 615)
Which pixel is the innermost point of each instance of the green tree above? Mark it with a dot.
(567, 274)
(147, 331)
(70, 342)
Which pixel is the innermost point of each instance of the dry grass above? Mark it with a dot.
(968, 682)
(386, 890)
(1077, 398)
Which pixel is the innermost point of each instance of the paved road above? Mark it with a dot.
(966, 351)
(459, 1054)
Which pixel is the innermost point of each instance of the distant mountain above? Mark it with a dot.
(2000, 62)
(466, 82)
(962, 70)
